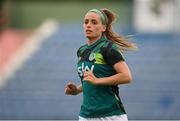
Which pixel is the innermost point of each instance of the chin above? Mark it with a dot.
(88, 36)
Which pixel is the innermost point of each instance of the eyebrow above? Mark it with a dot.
(91, 19)
(94, 19)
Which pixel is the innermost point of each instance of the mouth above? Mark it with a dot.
(88, 31)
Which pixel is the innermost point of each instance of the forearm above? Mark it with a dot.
(116, 79)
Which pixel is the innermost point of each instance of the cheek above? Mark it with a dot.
(98, 29)
(84, 26)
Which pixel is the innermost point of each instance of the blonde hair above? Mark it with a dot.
(124, 43)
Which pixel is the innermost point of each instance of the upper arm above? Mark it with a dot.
(122, 67)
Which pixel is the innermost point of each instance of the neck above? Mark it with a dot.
(93, 40)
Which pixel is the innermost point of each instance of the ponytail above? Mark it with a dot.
(123, 42)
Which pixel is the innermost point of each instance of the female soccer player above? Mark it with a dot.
(101, 68)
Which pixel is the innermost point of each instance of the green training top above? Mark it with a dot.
(98, 100)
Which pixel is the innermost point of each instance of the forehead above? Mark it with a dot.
(92, 15)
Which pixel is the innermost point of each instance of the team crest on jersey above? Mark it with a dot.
(92, 56)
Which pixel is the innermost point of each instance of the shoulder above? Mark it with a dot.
(108, 45)
(81, 49)
(111, 53)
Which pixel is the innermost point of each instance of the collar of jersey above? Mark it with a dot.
(96, 43)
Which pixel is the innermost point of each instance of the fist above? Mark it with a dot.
(71, 89)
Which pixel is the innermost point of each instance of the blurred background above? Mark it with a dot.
(38, 44)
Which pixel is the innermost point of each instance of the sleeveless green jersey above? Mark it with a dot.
(98, 100)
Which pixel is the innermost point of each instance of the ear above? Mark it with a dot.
(103, 28)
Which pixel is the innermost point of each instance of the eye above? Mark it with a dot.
(94, 22)
(86, 21)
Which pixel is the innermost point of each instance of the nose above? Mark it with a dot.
(88, 25)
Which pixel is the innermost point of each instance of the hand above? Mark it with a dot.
(71, 89)
(90, 77)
